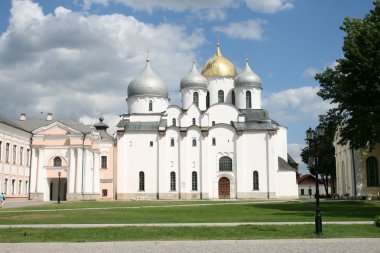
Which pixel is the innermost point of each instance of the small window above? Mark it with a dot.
(21, 154)
(233, 97)
(172, 142)
(150, 105)
(220, 96)
(151, 144)
(208, 100)
(141, 181)
(57, 162)
(194, 121)
(13, 186)
(248, 100)
(255, 180)
(196, 98)
(104, 192)
(26, 187)
(310, 192)
(19, 186)
(6, 186)
(174, 122)
(302, 192)
(104, 162)
(214, 141)
(194, 181)
(194, 142)
(172, 181)
(213, 123)
(7, 153)
(14, 153)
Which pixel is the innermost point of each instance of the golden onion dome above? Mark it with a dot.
(218, 66)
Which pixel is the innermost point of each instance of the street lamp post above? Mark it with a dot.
(59, 187)
(312, 137)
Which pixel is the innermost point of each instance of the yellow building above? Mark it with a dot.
(357, 170)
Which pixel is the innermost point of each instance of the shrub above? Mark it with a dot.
(377, 221)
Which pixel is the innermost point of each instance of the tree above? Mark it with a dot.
(325, 152)
(354, 84)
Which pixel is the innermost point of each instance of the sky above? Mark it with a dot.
(75, 58)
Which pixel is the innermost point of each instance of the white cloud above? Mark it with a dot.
(309, 72)
(173, 5)
(75, 65)
(269, 6)
(294, 150)
(250, 29)
(295, 104)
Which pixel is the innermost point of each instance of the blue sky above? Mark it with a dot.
(75, 58)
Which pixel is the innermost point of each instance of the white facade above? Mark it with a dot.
(213, 150)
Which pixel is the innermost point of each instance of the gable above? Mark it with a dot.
(56, 128)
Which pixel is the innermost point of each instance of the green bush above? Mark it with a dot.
(377, 221)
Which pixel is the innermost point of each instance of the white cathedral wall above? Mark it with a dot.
(140, 104)
(173, 112)
(222, 113)
(187, 97)
(240, 97)
(135, 154)
(220, 83)
(186, 119)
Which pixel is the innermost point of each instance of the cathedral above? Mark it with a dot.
(220, 144)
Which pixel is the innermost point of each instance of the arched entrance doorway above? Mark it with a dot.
(224, 188)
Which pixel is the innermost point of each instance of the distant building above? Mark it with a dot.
(307, 186)
(357, 170)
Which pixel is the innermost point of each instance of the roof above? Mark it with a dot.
(141, 126)
(283, 165)
(11, 123)
(31, 125)
(254, 126)
(255, 114)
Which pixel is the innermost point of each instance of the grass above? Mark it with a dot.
(187, 212)
(245, 232)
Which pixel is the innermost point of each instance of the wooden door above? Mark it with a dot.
(224, 188)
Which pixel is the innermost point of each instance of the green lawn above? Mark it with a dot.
(184, 233)
(187, 212)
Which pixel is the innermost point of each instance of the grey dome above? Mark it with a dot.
(147, 83)
(194, 79)
(247, 78)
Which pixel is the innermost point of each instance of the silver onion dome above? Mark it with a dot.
(247, 77)
(147, 83)
(194, 79)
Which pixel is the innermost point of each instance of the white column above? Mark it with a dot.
(79, 170)
(33, 170)
(71, 176)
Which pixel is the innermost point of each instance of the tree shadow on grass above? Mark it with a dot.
(331, 210)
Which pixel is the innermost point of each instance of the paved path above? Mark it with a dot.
(226, 224)
(351, 245)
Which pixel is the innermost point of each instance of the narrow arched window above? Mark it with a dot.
(225, 163)
(248, 100)
(174, 121)
(141, 181)
(194, 142)
(172, 142)
(255, 180)
(194, 181)
(57, 162)
(220, 96)
(233, 97)
(196, 98)
(208, 100)
(150, 105)
(172, 181)
(213, 123)
(194, 121)
(372, 172)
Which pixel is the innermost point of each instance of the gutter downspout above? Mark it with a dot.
(83, 160)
